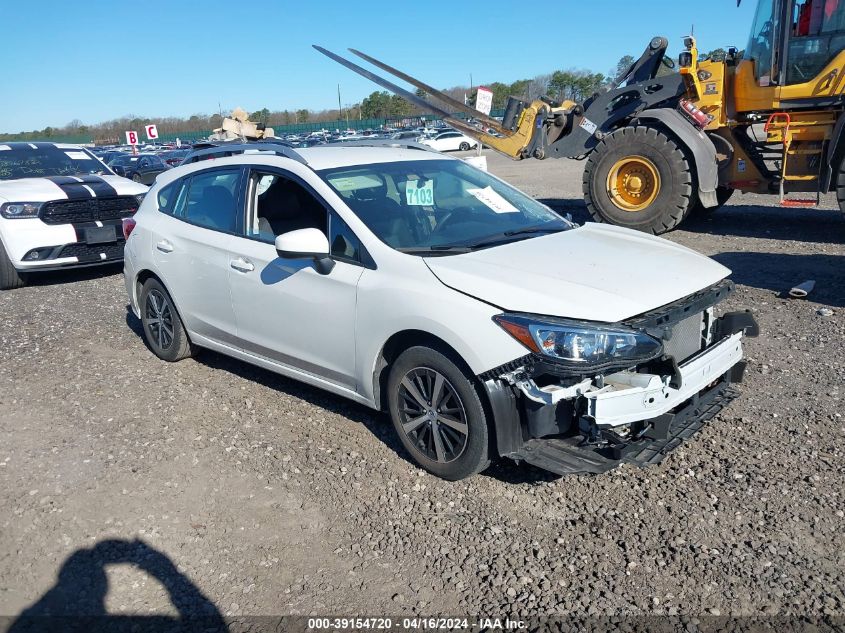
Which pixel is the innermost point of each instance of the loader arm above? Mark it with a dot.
(517, 143)
(542, 128)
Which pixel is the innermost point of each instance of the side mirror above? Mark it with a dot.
(306, 243)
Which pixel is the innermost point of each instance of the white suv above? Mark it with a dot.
(484, 323)
(60, 207)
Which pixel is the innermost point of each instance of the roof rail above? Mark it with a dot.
(382, 142)
(230, 149)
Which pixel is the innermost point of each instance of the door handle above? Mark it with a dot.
(164, 246)
(242, 265)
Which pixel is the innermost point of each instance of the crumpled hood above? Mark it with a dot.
(596, 272)
(63, 188)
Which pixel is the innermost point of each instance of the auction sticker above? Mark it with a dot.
(77, 155)
(493, 200)
(420, 196)
(588, 125)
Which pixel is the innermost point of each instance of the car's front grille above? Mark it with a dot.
(87, 253)
(687, 338)
(77, 211)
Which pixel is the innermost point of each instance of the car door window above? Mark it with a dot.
(211, 200)
(278, 204)
(344, 244)
(145, 162)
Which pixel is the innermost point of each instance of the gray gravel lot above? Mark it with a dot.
(275, 498)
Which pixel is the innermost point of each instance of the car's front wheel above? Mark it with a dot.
(136, 177)
(9, 276)
(464, 146)
(163, 329)
(437, 413)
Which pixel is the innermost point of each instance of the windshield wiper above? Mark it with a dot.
(435, 249)
(503, 238)
(534, 229)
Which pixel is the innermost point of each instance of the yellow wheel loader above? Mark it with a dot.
(661, 146)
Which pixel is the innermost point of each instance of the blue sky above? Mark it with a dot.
(96, 60)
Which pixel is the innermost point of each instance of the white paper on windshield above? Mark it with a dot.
(264, 183)
(2, 147)
(420, 196)
(493, 200)
(77, 155)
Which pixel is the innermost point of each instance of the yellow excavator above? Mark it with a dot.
(660, 146)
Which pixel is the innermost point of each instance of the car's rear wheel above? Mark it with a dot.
(163, 329)
(437, 413)
(10, 278)
(464, 146)
(136, 177)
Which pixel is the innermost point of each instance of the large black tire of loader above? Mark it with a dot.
(674, 196)
(840, 185)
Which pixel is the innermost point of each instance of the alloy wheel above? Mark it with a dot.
(159, 319)
(432, 415)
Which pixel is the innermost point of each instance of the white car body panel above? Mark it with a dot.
(195, 263)
(596, 273)
(287, 312)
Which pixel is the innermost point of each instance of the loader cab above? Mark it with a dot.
(795, 52)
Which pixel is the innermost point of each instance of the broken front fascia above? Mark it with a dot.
(626, 396)
(557, 401)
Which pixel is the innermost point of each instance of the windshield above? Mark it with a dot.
(26, 161)
(439, 206)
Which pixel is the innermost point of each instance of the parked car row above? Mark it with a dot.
(405, 280)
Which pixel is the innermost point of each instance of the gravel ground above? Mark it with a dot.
(270, 497)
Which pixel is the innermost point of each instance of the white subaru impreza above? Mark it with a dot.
(485, 324)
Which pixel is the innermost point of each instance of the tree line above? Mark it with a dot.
(574, 84)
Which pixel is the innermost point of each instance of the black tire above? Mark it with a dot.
(459, 455)
(675, 192)
(136, 177)
(840, 185)
(170, 343)
(10, 278)
(464, 146)
(723, 194)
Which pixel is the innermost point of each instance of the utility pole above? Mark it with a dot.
(339, 107)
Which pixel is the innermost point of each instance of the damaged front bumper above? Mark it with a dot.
(593, 424)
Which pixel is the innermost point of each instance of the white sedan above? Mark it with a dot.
(480, 321)
(450, 141)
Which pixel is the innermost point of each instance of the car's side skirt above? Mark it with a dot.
(284, 370)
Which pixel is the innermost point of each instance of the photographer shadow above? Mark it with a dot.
(76, 603)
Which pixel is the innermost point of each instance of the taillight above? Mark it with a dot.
(128, 227)
(699, 118)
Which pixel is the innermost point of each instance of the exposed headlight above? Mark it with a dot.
(140, 198)
(14, 210)
(579, 344)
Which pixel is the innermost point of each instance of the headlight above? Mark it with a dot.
(13, 210)
(578, 344)
(140, 198)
